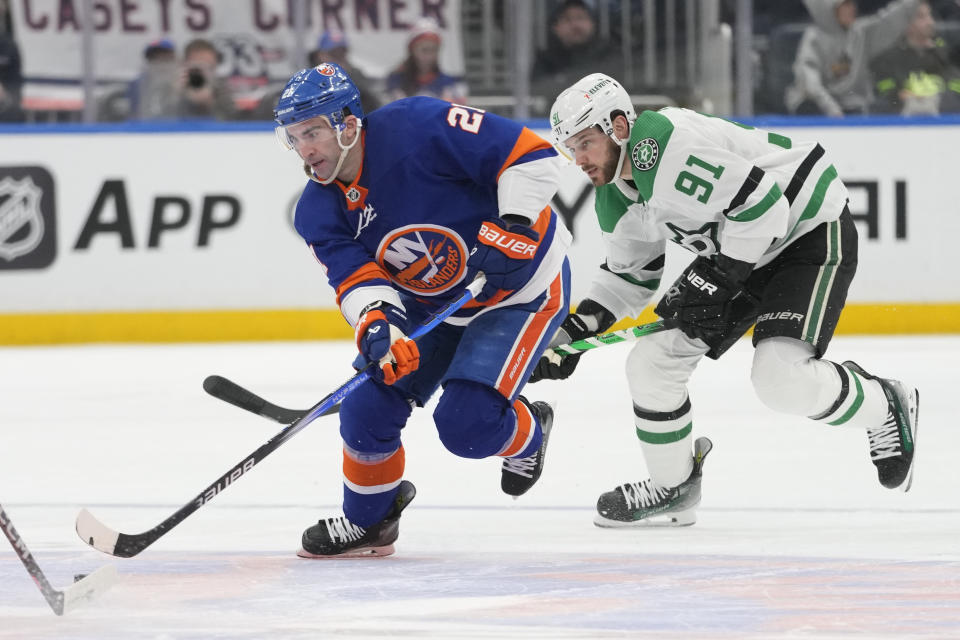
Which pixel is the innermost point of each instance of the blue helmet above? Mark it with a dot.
(324, 90)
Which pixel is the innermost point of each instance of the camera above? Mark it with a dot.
(196, 78)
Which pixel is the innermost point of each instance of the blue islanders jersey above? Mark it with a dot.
(403, 230)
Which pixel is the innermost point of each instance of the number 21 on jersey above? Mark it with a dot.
(467, 118)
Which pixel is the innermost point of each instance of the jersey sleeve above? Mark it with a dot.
(491, 151)
(686, 170)
(634, 255)
(351, 271)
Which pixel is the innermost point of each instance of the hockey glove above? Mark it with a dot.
(504, 253)
(708, 299)
(381, 337)
(590, 319)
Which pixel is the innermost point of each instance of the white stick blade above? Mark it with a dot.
(95, 533)
(89, 587)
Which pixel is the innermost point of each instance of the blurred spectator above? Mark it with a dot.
(202, 93)
(831, 72)
(419, 73)
(915, 77)
(334, 47)
(151, 95)
(167, 90)
(573, 51)
(11, 80)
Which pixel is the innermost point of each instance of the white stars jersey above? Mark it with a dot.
(707, 184)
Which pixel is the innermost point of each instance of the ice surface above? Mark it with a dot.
(795, 539)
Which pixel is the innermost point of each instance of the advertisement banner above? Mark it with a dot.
(255, 38)
(201, 220)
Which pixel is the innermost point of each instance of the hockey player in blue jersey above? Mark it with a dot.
(404, 206)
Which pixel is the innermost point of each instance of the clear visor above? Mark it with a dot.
(314, 130)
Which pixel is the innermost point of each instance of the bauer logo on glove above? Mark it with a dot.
(513, 244)
(504, 253)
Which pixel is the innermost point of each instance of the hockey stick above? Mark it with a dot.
(229, 391)
(61, 601)
(588, 344)
(103, 538)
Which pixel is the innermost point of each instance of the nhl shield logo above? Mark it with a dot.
(645, 154)
(352, 194)
(27, 228)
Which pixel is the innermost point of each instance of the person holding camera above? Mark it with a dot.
(202, 93)
(168, 89)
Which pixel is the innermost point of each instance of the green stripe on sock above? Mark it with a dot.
(664, 438)
(856, 401)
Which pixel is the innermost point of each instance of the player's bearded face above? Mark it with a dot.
(596, 154)
(315, 141)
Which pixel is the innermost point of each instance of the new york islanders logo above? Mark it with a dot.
(424, 259)
(326, 69)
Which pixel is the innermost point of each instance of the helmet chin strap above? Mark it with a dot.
(344, 150)
(623, 157)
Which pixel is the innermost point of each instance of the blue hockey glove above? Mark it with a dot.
(590, 319)
(381, 334)
(708, 299)
(504, 253)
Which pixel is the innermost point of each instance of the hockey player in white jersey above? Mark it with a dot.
(776, 249)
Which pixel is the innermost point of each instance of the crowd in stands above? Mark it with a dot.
(845, 57)
(887, 61)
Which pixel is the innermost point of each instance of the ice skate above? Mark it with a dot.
(893, 443)
(644, 504)
(340, 538)
(518, 475)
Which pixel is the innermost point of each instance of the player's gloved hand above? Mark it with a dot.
(504, 252)
(705, 298)
(589, 319)
(381, 334)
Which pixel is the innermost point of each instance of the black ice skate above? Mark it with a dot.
(893, 443)
(518, 475)
(340, 538)
(644, 503)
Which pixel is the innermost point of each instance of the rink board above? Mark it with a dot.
(175, 233)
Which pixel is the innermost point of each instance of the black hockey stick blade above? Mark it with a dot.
(61, 601)
(232, 393)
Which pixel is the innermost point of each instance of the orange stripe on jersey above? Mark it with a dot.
(357, 199)
(523, 432)
(494, 299)
(532, 334)
(369, 271)
(527, 141)
(542, 222)
(373, 474)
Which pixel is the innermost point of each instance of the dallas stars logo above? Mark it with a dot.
(645, 154)
(702, 241)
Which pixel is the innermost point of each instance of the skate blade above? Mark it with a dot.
(366, 552)
(678, 519)
(913, 412)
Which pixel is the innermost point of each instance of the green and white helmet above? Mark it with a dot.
(590, 101)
